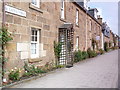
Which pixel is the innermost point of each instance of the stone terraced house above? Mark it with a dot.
(36, 25)
(108, 35)
(111, 42)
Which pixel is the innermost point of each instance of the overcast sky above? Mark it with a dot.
(108, 11)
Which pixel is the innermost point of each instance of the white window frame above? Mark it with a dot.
(35, 42)
(77, 43)
(62, 9)
(36, 3)
(90, 25)
(77, 17)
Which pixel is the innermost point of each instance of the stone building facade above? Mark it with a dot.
(111, 42)
(0, 13)
(35, 28)
(116, 40)
(94, 30)
(0, 44)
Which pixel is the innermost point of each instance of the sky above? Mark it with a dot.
(108, 11)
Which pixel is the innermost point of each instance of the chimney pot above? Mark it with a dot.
(98, 16)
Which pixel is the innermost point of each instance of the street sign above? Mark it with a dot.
(15, 11)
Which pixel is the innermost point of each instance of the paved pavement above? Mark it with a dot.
(99, 72)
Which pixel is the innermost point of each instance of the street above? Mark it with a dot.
(98, 72)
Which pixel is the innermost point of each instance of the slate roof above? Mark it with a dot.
(85, 10)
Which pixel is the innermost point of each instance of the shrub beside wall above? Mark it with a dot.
(101, 51)
(91, 53)
(77, 56)
(106, 46)
(81, 55)
(14, 75)
(84, 55)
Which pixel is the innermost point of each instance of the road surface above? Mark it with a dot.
(98, 72)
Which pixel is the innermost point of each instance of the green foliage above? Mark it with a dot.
(77, 56)
(27, 74)
(49, 66)
(57, 49)
(114, 41)
(106, 46)
(60, 66)
(14, 75)
(5, 36)
(110, 44)
(91, 53)
(84, 55)
(101, 51)
(94, 54)
(113, 48)
(5, 60)
(32, 70)
(93, 44)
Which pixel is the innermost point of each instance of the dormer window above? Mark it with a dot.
(36, 3)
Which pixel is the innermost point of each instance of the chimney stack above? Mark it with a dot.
(99, 19)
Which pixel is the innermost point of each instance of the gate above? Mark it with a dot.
(66, 33)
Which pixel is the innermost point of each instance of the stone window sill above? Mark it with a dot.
(35, 8)
(34, 60)
(77, 25)
(63, 20)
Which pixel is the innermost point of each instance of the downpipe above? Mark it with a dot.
(3, 11)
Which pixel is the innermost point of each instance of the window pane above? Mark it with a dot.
(32, 32)
(36, 33)
(33, 51)
(62, 3)
(33, 48)
(33, 45)
(77, 17)
(62, 9)
(36, 38)
(34, 2)
(62, 37)
(77, 42)
(32, 38)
